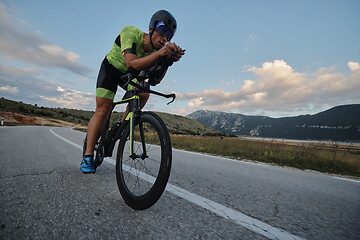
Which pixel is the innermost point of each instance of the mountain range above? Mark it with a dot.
(341, 123)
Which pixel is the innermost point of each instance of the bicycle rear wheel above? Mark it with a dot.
(142, 180)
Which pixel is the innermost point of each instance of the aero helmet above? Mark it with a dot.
(163, 16)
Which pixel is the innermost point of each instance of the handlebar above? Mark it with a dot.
(148, 90)
(142, 76)
(153, 74)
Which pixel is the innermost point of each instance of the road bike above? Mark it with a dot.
(144, 152)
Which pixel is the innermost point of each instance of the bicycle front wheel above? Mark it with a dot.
(142, 177)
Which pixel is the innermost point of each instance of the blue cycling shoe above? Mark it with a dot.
(87, 164)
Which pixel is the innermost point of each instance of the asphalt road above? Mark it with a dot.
(45, 196)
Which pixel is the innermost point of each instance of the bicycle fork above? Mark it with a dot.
(132, 123)
(132, 117)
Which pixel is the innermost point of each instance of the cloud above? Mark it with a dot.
(70, 98)
(354, 66)
(194, 103)
(182, 111)
(9, 89)
(28, 47)
(60, 89)
(35, 83)
(26, 84)
(278, 89)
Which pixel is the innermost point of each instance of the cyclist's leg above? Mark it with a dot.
(144, 97)
(97, 122)
(106, 87)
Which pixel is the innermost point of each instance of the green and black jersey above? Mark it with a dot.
(130, 40)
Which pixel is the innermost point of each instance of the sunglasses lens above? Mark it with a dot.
(164, 31)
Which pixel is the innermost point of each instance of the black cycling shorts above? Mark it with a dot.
(108, 80)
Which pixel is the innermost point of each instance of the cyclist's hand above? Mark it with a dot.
(178, 52)
(166, 51)
(171, 50)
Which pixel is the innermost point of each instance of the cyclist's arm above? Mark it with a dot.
(132, 60)
(139, 64)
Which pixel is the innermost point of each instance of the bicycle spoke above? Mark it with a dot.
(142, 167)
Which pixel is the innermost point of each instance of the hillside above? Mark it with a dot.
(69, 115)
(341, 123)
(16, 113)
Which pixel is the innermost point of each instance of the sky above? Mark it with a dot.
(274, 58)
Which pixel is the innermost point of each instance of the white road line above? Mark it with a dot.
(68, 141)
(347, 179)
(239, 218)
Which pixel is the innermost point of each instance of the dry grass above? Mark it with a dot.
(330, 158)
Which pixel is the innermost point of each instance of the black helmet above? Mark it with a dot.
(163, 16)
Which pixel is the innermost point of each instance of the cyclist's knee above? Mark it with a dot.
(144, 97)
(103, 107)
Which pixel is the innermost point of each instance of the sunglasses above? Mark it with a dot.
(165, 31)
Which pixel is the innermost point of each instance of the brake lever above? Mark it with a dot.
(173, 98)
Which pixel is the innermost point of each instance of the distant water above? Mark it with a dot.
(302, 141)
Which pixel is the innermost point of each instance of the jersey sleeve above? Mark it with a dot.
(129, 39)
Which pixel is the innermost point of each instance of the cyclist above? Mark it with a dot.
(136, 50)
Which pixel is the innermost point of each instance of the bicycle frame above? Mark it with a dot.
(131, 97)
(110, 141)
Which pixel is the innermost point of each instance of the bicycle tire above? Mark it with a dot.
(141, 182)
